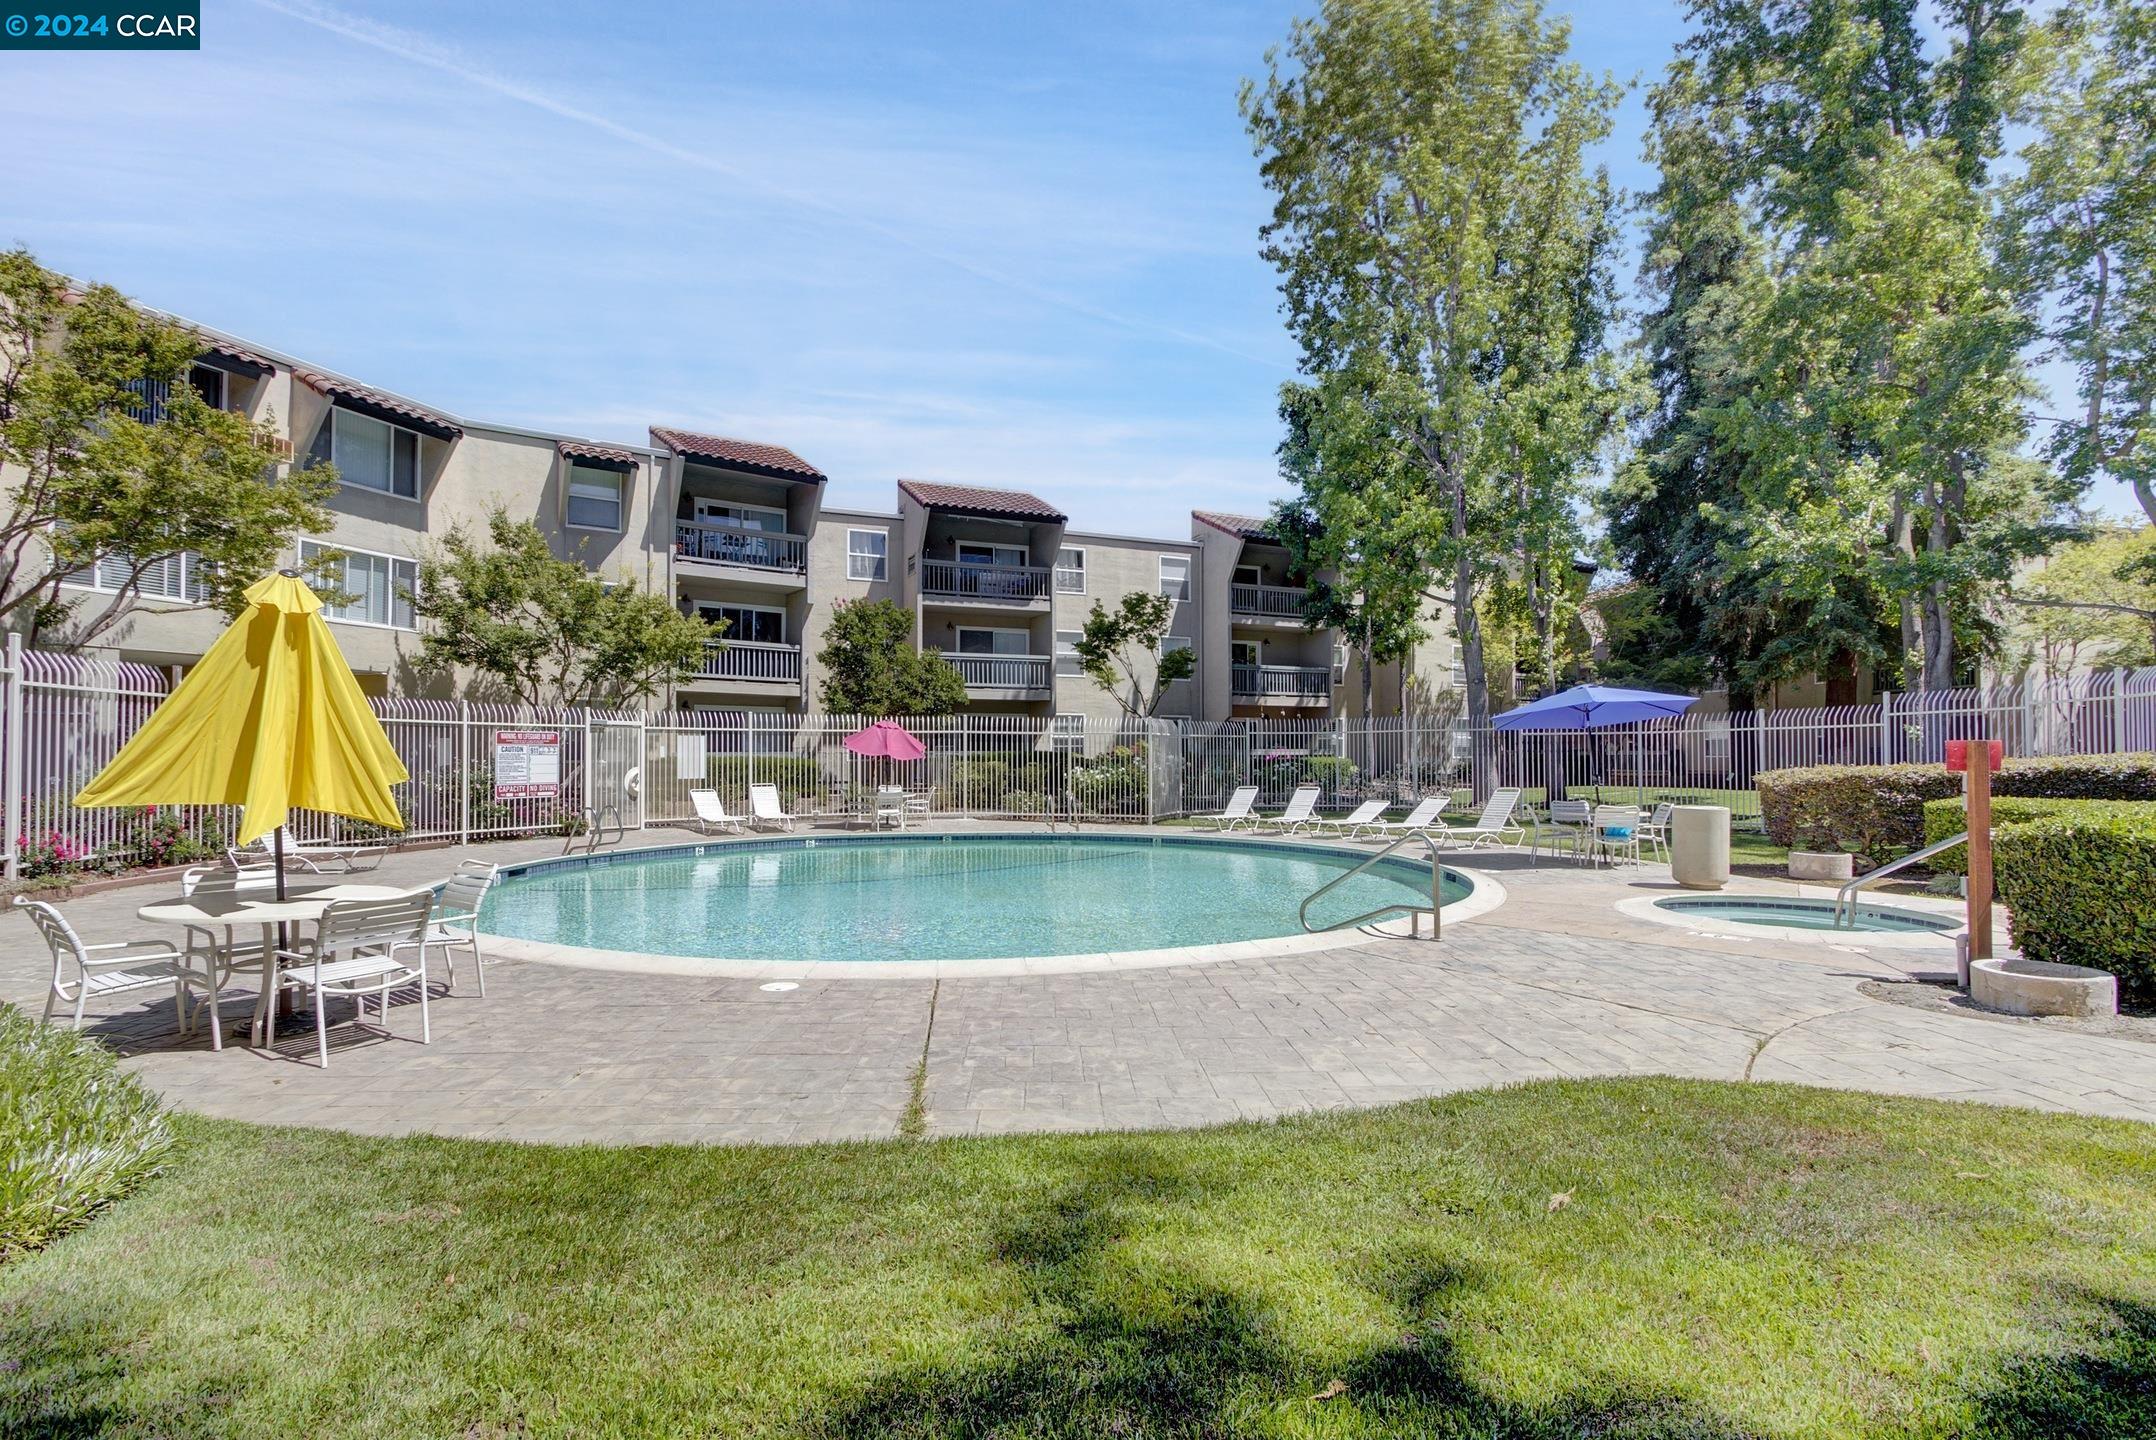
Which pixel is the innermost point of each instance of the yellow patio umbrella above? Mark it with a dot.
(271, 719)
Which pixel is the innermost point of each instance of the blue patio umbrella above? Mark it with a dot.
(1592, 707)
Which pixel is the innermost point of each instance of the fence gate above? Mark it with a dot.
(1163, 768)
(615, 744)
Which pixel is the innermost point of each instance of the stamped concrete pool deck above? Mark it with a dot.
(1554, 982)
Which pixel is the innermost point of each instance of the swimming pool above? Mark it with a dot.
(938, 898)
(1795, 913)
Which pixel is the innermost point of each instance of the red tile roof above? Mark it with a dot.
(774, 460)
(244, 359)
(980, 500)
(380, 405)
(1250, 527)
(612, 456)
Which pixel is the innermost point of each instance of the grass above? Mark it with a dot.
(1634, 1258)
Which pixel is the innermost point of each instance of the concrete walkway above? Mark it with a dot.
(1556, 982)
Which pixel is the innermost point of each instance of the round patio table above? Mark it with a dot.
(228, 910)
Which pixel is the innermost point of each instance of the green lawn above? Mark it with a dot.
(1642, 1258)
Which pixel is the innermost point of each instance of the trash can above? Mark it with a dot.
(1699, 846)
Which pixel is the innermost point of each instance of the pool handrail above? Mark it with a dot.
(1845, 899)
(1415, 912)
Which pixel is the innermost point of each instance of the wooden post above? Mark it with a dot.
(1978, 807)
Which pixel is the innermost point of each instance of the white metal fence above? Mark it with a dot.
(63, 717)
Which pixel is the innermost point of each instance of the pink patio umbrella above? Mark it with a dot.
(888, 740)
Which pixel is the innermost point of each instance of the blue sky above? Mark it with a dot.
(1006, 244)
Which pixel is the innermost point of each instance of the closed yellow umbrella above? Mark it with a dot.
(271, 720)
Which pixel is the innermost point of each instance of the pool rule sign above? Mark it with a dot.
(1975, 761)
(527, 764)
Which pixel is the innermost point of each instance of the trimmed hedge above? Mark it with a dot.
(2082, 888)
(1878, 810)
(76, 1132)
(795, 775)
(1949, 817)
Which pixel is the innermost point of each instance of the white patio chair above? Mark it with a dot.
(1237, 810)
(456, 918)
(1571, 822)
(362, 948)
(711, 812)
(80, 971)
(1497, 821)
(1654, 830)
(311, 858)
(890, 808)
(764, 808)
(1616, 832)
(1421, 817)
(1367, 813)
(1301, 809)
(216, 953)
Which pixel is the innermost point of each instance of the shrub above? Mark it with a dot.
(795, 775)
(1334, 772)
(1113, 784)
(76, 1133)
(1950, 817)
(2082, 889)
(165, 837)
(1878, 810)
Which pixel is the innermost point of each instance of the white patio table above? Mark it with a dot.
(302, 905)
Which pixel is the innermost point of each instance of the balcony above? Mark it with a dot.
(1281, 682)
(999, 583)
(1002, 672)
(1268, 602)
(753, 661)
(738, 545)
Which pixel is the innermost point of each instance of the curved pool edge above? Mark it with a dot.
(1484, 895)
(1650, 908)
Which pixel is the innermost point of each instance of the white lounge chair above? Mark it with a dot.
(1301, 811)
(1237, 811)
(764, 808)
(711, 812)
(1367, 813)
(362, 948)
(80, 971)
(1496, 822)
(349, 858)
(1421, 817)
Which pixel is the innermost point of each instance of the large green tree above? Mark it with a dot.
(113, 462)
(872, 667)
(546, 630)
(2082, 232)
(1441, 243)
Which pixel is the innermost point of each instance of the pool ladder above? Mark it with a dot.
(1845, 899)
(1415, 912)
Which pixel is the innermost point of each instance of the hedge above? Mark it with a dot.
(1878, 810)
(1949, 817)
(76, 1132)
(2082, 889)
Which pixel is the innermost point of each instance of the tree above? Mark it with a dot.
(549, 631)
(871, 666)
(103, 473)
(2093, 604)
(1443, 251)
(2081, 230)
(1120, 651)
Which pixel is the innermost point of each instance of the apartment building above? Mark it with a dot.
(996, 580)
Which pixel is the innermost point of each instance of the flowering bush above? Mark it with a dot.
(49, 854)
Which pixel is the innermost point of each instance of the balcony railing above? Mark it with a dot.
(984, 582)
(751, 660)
(1291, 682)
(1274, 602)
(1001, 672)
(739, 545)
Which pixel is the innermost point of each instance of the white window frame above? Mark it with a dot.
(419, 456)
(1459, 675)
(958, 645)
(569, 483)
(882, 557)
(1182, 584)
(1067, 661)
(998, 553)
(190, 590)
(1066, 733)
(1169, 644)
(1078, 570)
(1256, 574)
(708, 610)
(311, 550)
(1256, 648)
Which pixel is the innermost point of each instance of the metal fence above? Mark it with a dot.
(63, 717)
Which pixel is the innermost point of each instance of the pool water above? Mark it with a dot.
(1794, 914)
(940, 898)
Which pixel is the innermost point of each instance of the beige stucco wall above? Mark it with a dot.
(1117, 566)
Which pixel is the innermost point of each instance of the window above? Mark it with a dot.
(1246, 652)
(208, 382)
(973, 641)
(1169, 644)
(175, 577)
(766, 518)
(1067, 662)
(1340, 659)
(1067, 734)
(1175, 576)
(369, 453)
(381, 586)
(1247, 575)
(866, 554)
(594, 498)
(1070, 571)
(976, 552)
(1459, 675)
(757, 624)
